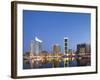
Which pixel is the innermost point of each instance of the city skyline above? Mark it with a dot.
(52, 27)
(38, 58)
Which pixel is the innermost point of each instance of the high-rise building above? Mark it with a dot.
(56, 49)
(36, 46)
(65, 45)
(83, 49)
(31, 49)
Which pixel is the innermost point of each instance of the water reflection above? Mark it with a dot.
(50, 63)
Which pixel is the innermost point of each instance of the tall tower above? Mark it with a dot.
(65, 45)
(66, 62)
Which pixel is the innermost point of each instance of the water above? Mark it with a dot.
(50, 64)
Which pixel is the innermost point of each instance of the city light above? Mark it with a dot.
(38, 58)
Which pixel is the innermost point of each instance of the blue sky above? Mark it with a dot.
(52, 27)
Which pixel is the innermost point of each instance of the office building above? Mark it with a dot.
(83, 49)
(56, 49)
(36, 47)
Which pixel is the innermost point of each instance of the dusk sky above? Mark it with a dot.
(52, 27)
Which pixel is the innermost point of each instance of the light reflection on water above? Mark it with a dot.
(54, 63)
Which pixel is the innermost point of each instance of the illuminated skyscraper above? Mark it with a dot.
(65, 45)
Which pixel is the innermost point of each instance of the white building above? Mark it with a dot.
(36, 46)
